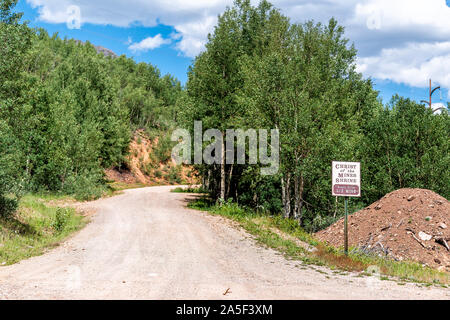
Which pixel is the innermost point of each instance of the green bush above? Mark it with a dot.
(7, 206)
(315, 222)
(174, 175)
(85, 187)
(162, 152)
(190, 190)
(60, 220)
(158, 174)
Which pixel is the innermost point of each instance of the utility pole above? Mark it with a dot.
(429, 103)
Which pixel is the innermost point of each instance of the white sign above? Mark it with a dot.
(346, 179)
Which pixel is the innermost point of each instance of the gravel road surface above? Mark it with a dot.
(145, 244)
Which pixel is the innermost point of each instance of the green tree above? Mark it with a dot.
(6, 14)
(305, 85)
(406, 146)
(16, 41)
(214, 78)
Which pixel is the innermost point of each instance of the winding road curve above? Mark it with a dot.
(145, 244)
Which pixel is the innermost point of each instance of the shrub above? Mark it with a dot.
(162, 152)
(314, 223)
(158, 173)
(190, 190)
(62, 216)
(174, 175)
(85, 187)
(7, 206)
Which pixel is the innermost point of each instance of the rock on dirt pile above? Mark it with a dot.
(406, 224)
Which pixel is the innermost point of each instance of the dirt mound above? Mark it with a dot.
(120, 175)
(406, 224)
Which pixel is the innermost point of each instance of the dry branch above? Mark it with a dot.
(443, 242)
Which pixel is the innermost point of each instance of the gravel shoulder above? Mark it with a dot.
(145, 244)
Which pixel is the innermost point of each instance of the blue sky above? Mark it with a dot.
(401, 43)
(166, 58)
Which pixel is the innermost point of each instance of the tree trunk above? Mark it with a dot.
(204, 177)
(222, 170)
(298, 214)
(283, 195)
(286, 185)
(230, 176)
(208, 180)
(296, 196)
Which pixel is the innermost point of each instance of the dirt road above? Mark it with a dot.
(144, 244)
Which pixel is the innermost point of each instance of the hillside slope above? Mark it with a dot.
(149, 163)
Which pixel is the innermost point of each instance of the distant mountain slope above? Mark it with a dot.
(106, 52)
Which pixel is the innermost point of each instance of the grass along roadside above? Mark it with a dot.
(291, 240)
(189, 189)
(37, 225)
(116, 187)
(43, 220)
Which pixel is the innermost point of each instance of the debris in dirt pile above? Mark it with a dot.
(424, 236)
(402, 226)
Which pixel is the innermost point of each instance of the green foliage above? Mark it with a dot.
(16, 41)
(7, 206)
(86, 186)
(158, 173)
(11, 185)
(161, 153)
(261, 71)
(6, 16)
(67, 112)
(262, 192)
(35, 227)
(189, 190)
(62, 216)
(305, 85)
(175, 175)
(150, 98)
(215, 77)
(314, 222)
(406, 145)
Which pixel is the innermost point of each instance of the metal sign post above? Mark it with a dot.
(346, 227)
(346, 183)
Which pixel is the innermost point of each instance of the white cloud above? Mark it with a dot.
(412, 64)
(438, 107)
(194, 35)
(149, 43)
(192, 20)
(401, 40)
